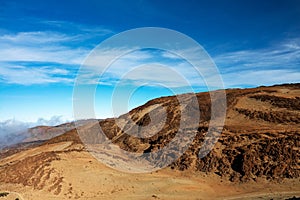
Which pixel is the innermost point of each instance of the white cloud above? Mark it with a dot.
(13, 131)
(141, 67)
(260, 77)
(45, 47)
(40, 47)
(285, 55)
(39, 37)
(267, 66)
(156, 74)
(87, 31)
(26, 76)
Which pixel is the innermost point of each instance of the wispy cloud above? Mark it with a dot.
(278, 63)
(15, 74)
(148, 67)
(40, 47)
(61, 48)
(285, 55)
(33, 38)
(84, 30)
(260, 77)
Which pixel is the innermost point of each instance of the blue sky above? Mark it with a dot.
(43, 44)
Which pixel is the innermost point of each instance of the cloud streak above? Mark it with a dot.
(24, 75)
(40, 47)
(54, 51)
(285, 55)
(273, 65)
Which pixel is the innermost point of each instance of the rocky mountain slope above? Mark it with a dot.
(259, 142)
(260, 137)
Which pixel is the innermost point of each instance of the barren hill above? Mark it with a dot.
(257, 154)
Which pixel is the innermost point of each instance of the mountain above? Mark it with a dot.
(40, 133)
(256, 155)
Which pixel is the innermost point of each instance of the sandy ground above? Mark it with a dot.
(83, 177)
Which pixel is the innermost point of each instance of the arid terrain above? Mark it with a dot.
(256, 156)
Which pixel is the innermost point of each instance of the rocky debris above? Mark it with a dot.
(271, 116)
(281, 102)
(248, 156)
(33, 171)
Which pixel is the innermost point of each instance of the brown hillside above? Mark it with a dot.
(259, 143)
